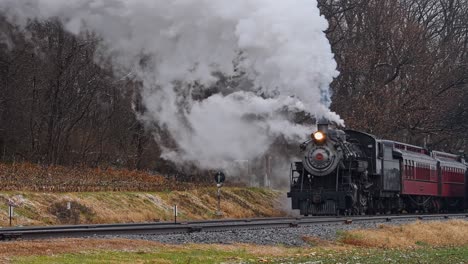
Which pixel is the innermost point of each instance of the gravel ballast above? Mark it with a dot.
(280, 236)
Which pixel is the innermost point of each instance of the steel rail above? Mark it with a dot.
(161, 228)
(166, 223)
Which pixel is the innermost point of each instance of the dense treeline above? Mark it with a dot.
(404, 68)
(404, 75)
(58, 107)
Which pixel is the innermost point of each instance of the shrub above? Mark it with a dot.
(72, 215)
(37, 178)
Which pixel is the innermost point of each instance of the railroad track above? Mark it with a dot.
(160, 228)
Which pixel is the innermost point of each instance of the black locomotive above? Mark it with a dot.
(351, 172)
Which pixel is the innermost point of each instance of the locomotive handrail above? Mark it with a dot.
(302, 179)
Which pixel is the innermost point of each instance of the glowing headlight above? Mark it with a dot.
(318, 136)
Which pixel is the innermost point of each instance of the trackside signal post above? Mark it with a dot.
(220, 177)
(11, 206)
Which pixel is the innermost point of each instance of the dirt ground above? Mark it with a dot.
(60, 246)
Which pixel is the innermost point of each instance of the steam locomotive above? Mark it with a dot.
(347, 172)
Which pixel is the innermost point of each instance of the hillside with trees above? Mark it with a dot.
(404, 76)
(404, 68)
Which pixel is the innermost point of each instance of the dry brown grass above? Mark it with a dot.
(257, 250)
(449, 233)
(125, 207)
(111, 196)
(36, 178)
(235, 203)
(315, 241)
(62, 246)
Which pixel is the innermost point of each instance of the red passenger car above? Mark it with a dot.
(431, 179)
(452, 174)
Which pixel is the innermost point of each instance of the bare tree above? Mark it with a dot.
(403, 67)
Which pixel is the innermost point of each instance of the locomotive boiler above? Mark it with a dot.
(351, 172)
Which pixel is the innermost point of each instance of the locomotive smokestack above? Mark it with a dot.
(322, 125)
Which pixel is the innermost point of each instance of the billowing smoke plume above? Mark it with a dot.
(275, 48)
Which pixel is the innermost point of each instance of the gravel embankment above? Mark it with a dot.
(280, 236)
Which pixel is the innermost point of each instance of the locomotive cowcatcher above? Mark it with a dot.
(349, 172)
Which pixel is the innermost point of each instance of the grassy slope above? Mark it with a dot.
(116, 207)
(111, 196)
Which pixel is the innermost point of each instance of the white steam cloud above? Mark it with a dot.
(277, 45)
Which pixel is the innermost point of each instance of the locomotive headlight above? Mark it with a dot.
(318, 136)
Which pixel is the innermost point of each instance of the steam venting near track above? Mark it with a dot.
(276, 51)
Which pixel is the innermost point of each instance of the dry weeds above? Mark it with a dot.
(202, 203)
(37, 178)
(315, 241)
(64, 246)
(257, 250)
(125, 207)
(439, 234)
(107, 193)
(9, 250)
